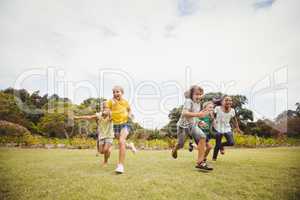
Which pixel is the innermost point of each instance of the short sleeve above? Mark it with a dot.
(232, 112)
(98, 115)
(187, 105)
(216, 110)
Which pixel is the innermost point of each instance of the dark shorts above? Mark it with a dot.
(119, 127)
(208, 137)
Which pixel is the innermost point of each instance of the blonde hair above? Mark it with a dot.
(117, 87)
(205, 104)
(189, 94)
(103, 105)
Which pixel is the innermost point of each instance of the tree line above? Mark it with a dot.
(52, 116)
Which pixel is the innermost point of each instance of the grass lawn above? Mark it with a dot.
(271, 173)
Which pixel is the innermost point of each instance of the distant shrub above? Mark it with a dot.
(12, 129)
(83, 142)
(147, 134)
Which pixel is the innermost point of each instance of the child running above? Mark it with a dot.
(121, 113)
(224, 114)
(205, 124)
(187, 126)
(104, 130)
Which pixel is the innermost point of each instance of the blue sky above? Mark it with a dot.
(240, 47)
(263, 3)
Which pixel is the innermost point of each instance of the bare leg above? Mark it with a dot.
(101, 148)
(98, 147)
(181, 133)
(107, 150)
(201, 150)
(122, 145)
(131, 147)
(207, 150)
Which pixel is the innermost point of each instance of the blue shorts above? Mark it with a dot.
(208, 137)
(119, 127)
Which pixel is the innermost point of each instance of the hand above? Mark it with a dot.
(202, 124)
(131, 116)
(203, 112)
(239, 130)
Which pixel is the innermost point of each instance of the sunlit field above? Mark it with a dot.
(271, 173)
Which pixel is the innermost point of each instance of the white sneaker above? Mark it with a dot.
(120, 169)
(132, 147)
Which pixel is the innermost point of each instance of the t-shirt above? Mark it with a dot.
(119, 110)
(190, 106)
(208, 122)
(222, 124)
(104, 127)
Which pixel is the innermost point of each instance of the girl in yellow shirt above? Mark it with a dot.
(121, 113)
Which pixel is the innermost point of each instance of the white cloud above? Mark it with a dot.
(221, 41)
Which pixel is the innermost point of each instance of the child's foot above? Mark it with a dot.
(204, 165)
(222, 151)
(214, 159)
(132, 147)
(191, 147)
(104, 164)
(174, 153)
(120, 169)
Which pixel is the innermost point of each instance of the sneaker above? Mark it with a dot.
(191, 147)
(222, 151)
(204, 165)
(174, 153)
(132, 147)
(120, 169)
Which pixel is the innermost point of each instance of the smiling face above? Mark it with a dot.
(227, 102)
(117, 93)
(197, 95)
(105, 110)
(210, 107)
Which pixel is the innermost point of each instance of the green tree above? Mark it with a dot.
(56, 125)
(10, 111)
(29, 104)
(298, 108)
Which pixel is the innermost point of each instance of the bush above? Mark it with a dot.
(12, 129)
(293, 127)
(82, 142)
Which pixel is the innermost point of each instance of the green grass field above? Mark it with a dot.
(271, 173)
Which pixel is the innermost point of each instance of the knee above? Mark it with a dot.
(122, 142)
(208, 147)
(108, 148)
(105, 150)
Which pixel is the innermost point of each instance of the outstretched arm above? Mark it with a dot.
(202, 113)
(87, 117)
